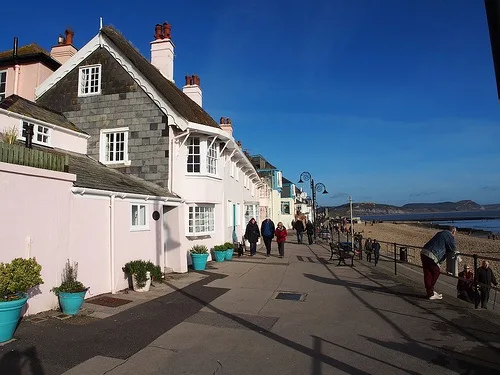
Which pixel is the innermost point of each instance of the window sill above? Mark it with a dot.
(201, 234)
(200, 175)
(139, 229)
(91, 94)
(116, 164)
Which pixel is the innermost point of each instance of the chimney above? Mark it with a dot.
(64, 49)
(193, 89)
(162, 51)
(225, 124)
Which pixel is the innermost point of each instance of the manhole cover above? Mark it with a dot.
(108, 301)
(289, 296)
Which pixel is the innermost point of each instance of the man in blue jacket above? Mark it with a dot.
(434, 253)
(267, 231)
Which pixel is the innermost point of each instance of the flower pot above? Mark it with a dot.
(71, 302)
(220, 255)
(145, 288)
(10, 312)
(229, 254)
(199, 261)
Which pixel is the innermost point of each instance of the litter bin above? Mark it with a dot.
(452, 263)
(403, 254)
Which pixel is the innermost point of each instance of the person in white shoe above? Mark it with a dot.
(432, 255)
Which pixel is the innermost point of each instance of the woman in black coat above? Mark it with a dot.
(252, 234)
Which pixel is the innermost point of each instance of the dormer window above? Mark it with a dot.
(89, 80)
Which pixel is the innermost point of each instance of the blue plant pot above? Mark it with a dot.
(71, 302)
(220, 256)
(10, 312)
(199, 261)
(229, 254)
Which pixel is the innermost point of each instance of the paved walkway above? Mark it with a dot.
(227, 321)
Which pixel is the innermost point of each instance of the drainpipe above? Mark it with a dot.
(17, 70)
(112, 241)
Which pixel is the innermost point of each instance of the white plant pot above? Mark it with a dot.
(145, 288)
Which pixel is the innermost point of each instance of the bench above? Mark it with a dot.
(343, 252)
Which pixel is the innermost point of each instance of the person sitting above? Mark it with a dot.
(465, 285)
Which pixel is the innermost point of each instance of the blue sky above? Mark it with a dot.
(389, 101)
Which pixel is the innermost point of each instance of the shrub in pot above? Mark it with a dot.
(139, 275)
(16, 278)
(229, 250)
(155, 272)
(70, 292)
(219, 253)
(199, 256)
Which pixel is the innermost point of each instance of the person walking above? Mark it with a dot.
(252, 234)
(432, 255)
(465, 285)
(310, 232)
(376, 251)
(485, 277)
(368, 249)
(299, 228)
(267, 231)
(281, 234)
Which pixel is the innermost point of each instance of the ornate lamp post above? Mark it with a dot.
(319, 187)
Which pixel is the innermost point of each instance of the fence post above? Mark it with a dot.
(395, 260)
(476, 294)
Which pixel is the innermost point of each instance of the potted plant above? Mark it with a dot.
(138, 274)
(70, 292)
(16, 278)
(199, 256)
(219, 253)
(229, 250)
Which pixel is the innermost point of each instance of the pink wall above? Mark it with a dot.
(30, 77)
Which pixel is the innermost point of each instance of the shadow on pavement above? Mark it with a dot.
(21, 363)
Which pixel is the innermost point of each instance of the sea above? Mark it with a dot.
(488, 221)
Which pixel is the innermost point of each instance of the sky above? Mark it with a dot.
(387, 101)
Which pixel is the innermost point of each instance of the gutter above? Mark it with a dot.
(167, 201)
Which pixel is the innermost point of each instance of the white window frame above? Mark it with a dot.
(36, 132)
(285, 203)
(252, 210)
(229, 214)
(191, 220)
(83, 79)
(279, 178)
(200, 165)
(232, 168)
(252, 189)
(4, 92)
(212, 157)
(236, 172)
(138, 226)
(103, 145)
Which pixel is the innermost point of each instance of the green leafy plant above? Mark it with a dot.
(155, 271)
(69, 280)
(17, 277)
(9, 136)
(137, 269)
(219, 248)
(229, 245)
(199, 249)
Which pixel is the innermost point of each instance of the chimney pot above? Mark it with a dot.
(69, 37)
(187, 80)
(166, 30)
(158, 32)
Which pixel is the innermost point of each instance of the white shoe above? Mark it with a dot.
(438, 294)
(436, 297)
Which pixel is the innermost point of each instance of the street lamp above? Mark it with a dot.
(319, 187)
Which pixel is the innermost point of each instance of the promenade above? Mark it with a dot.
(228, 321)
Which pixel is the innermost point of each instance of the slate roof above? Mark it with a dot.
(29, 53)
(286, 180)
(92, 174)
(19, 105)
(186, 107)
(255, 160)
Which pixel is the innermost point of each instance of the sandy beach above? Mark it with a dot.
(413, 235)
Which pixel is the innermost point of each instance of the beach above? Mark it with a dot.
(414, 235)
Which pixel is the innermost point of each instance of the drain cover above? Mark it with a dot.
(108, 301)
(289, 296)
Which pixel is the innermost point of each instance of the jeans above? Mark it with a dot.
(484, 296)
(431, 274)
(253, 248)
(267, 242)
(310, 237)
(299, 237)
(281, 248)
(376, 255)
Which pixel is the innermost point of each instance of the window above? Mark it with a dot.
(252, 210)
(114, 146)
(233, 165)
(212, 158)
(231, 208)
(3, 84)
(285, 208)
(193, 159)
(41, 134)
(279, 179)
(236, 171)
(89, 80)
(139, 214)
(201, 219)
(252, 189)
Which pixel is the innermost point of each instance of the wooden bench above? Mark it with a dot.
(342, 253)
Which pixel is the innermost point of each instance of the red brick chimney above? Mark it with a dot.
(162, 50)
(226, 125)
(193, 90)
(64, 49)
